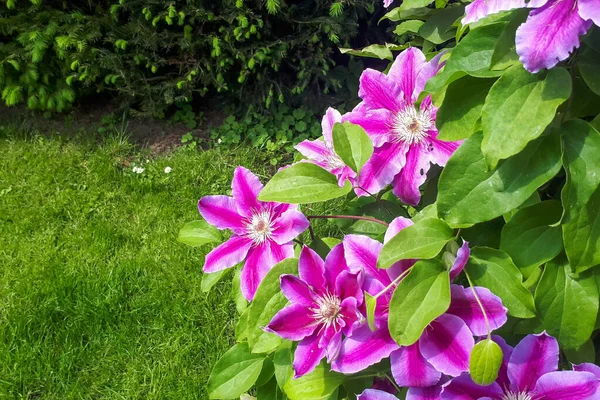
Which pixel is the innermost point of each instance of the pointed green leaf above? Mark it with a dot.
(581, 194)
(588, 62)
(234, 373)
(371, 303)
(439, 26)
(422, 240)
(495, 270)
(282, 359)
(518, 108)
(485, 362)
(465, 181)
(317, 385)
(420, 298)
(197, 233)
(505, 52)
(379, 51)
(352, 144)
(210, 280)
(411, 26)
(303, 183)
(567, 303)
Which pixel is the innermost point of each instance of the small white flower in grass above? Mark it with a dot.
(138, 170)
(168, 170)
(219, 140)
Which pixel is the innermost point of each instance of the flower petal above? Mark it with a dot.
(410, 369)
(288, 226)
(227, 254)
(550, 34)
(568, 385)
(589, 10)
(382, 167)
(447, 344)
(331, 117)
(361, 255)
(464, 305)
(296, 290)
(221, 211)
(293, 322)
(507, 350)
(405, 69)
(375, 122)
(245, 188)
(395, 227)
(533, 357)
(334, 345)
(428, 393)
(313, 149)
(379, 91)
(349, 285)
(363, 349)
(307, 356)
(413, 175)
(463, 388)
(351, 316)
(372, 394)
(335, 264)
(588, 367)
(311, 269)
(260, 261)
(482, 8)
(441, 151)
(462, 257)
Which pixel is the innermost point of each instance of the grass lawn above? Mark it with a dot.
(97, 298)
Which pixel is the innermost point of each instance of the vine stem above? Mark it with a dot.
(394, 283)
(378, 221)
(378, 200)
(485, 317)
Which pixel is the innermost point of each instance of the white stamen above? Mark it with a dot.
(411, 125)
(516, 396)
(333, 160)
(260, 227)
(328, 312)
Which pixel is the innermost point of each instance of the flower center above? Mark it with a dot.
(333, 160)
(328, 311)
(516, 396)
(411, 125)
(260, 227)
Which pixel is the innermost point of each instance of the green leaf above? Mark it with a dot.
(269, 391)
(485, 362)
(379, 51)
(234, 373)
(532, 236)
(471, 56)
(303, 183)
(582, 354)
(352, 144)
(268, 300)
(461, 108)
(422, 296)
(567, 303)
(317, 385)
(371, 303)
(422, 240)
(439, 26)
(240, 301)
(197, 233)
(581, 194)
(210, 280)
(241, 328)
(495, 270)
(401, 14)
(266, 373)
(505, 52)
(469, 193)
(518, 108)
(282, 359)
(411, 26)
(589, 66)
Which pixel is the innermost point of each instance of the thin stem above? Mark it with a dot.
(485, 317)
(298, 242)
(362, 376)
(394, 283)
(312, 233)
(378, 221)
(378, 200)
(393, 383)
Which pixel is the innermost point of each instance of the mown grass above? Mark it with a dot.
(97, 298)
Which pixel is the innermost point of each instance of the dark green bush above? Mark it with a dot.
(153, 54)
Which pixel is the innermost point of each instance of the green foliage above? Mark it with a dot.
(352, 144)
(157, 54)
(234, 373)
(485, 362)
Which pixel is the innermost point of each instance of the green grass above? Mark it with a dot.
(97, 298)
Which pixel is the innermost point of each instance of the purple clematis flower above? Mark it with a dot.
(428, 393)
(444, 347)
(325, 301)
(529, 372)
(551, 31)
(262, 232)
(322, 153)
(404, 136)
(387, 3)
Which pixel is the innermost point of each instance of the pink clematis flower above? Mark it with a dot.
(444, 347)
(387, 3)
(262, 232)
(325, 301)
(529, 372)
(551, 31)
(322, 153)
(404, 136)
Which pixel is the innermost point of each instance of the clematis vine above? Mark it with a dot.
(262, 231)
(404, 135)
(325, 303)
(322, 153)
(551, 31)
(529, 372)
(444, 347)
